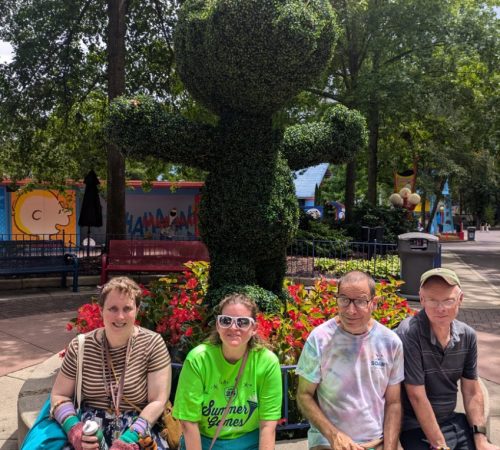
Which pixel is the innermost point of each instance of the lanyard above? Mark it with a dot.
(115, 392)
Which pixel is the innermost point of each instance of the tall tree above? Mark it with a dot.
(54, 91)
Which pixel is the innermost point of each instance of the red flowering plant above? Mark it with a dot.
(173, 306)
(309, 307)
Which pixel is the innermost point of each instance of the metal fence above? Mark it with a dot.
(311, 258)
(307, 258)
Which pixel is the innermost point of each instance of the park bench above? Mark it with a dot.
(150, 256)
(36, 257)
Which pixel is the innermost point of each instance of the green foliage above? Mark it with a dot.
(252, 56)
(379, 267)
(267, 301)
(394, 221)
(320, 239)
(243, 60)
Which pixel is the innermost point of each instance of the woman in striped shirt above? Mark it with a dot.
(125, 380)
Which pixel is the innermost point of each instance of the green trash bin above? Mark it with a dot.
(418, 252)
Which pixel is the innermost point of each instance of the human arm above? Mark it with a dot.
(267, 434)
(336, 138)
(392, 416)
(61, 399)
(142, 127)
(425, 414)
(192, 436)
(474, 409)
(311, 410)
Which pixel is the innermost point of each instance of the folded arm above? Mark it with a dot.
(336, 138)
(142, 127)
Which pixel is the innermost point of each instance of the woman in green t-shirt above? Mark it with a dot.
(207, 383)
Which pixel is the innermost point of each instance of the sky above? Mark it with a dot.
(5, 52)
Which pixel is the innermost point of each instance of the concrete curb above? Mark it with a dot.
(34, 393)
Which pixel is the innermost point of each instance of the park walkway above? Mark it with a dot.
(32, 328)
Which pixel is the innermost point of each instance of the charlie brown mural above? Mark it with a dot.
(43, 213)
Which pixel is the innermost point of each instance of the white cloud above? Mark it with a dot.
(5, 52)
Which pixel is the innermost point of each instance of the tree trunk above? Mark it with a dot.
(373, 130)
(115, 220)
(350, 189)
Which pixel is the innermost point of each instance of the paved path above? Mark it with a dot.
(32, 328)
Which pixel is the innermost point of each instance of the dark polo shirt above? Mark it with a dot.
(438, 369)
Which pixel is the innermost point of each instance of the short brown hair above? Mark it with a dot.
(237, 299)
(124, 285)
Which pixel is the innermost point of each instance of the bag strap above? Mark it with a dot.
(79, 369)
(226, 410)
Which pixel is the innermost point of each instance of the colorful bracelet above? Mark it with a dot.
(64, 411)
(56, 405)
(129, 436)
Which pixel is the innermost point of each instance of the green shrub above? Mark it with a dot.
(379, 267)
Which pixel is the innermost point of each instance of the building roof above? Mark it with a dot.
(305, 180)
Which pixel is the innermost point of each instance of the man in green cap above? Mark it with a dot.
(439, 350)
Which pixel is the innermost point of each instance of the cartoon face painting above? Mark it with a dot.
(40, 213)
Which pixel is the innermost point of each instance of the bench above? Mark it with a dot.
(150, 256)
(38, 256)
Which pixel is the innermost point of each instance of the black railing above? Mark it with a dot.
(311, 258)
(308, 258)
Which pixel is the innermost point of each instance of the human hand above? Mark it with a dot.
(342, 441)
(120, 445)
(487, 446)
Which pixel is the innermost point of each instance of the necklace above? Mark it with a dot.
(114, 387)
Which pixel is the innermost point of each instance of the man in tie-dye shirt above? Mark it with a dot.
(350, 375)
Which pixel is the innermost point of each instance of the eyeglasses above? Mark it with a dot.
(448, 303)
(360, 303)
(241, 322)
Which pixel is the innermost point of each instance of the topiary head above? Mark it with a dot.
(251, 56)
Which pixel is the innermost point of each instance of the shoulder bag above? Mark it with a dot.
(46, 433)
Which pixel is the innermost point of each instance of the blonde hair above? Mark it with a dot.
(124, 285)
(238, 299)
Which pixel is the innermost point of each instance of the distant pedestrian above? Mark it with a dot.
(440, 350)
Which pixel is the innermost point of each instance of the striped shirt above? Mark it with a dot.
(148, 354)
(428, 364)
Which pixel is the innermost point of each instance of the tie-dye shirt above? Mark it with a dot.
(352, 373)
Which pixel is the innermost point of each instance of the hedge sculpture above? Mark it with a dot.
(243, 60)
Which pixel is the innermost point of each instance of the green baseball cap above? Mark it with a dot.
(446, 274)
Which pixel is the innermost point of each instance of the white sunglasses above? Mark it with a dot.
(241, 322)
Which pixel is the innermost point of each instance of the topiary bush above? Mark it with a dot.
(243, 60)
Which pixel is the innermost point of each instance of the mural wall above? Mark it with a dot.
(43, 213)
(160, 213)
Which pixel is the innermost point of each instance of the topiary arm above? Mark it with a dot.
(340, 134)
(140, 126)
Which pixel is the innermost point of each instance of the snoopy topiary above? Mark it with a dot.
(244, 60)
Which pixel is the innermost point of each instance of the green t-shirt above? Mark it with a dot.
(206, 381)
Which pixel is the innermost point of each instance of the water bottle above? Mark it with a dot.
(91, 428)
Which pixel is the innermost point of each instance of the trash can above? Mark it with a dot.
(418, 253)
(471, 233)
